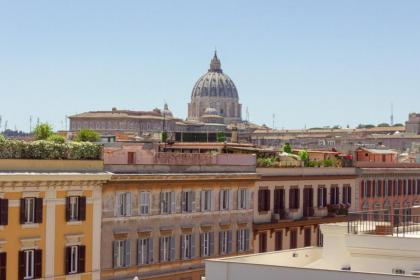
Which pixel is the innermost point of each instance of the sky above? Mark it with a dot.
(310, 63)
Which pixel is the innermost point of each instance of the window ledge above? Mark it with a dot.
(30, 225)
(1, 227)
(74, 223)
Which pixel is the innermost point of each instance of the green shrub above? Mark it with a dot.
(56, 138)
(87, 135)
(42, 131)
(287, 148)
(42, 149)
(220, 136)
(2, 138)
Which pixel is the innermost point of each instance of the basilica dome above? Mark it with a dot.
(215, 82)
(217, 91)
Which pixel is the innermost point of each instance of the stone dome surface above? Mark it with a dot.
(215, 83)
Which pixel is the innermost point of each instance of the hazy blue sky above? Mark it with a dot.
(311, 63)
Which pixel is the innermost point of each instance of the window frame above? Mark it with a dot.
(29, 219)
(144, 203)
(29, 264)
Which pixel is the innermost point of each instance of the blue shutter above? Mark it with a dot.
(211, 247)
(192, 245)
(229, 235)
(127, 260)
(182, 247)
(115, 253)
(173, 202)
(193, 201)
(172, 252)
(150, 254)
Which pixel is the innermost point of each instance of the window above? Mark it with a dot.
(167, 202)
(167, 249)
(293, 239)
(278, 201)
(75, 259)
(75, 208)
(206, 200)
(262, 241)
(187, 246)
(243, 240)
(131, 157)
(206, 244)
(144, 203)
(123, 204)
(144, 251)
(307, 237)
(30, 210)
(278, 240)
(294, 198)
(225, 242)
(347, 194)
(242, 199)
(121, 253)
(30, 264)
(263, 200)
(224, 199)
(322, 196)
(3, 262)
(188, 201)
(334, 195)
(4, 213)
(319, 238)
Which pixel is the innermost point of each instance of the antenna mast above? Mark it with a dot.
(392, 114)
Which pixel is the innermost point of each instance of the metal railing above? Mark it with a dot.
(399, 222)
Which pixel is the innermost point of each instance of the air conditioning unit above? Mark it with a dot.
(275, 217)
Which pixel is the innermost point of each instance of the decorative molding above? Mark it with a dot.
(30, 243)
(74, 239)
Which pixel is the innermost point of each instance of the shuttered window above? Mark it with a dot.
(4, 212)
(263, 200)
(188, 201)
(278, 200)
(322, 197)
(30, 264)
(75, 208)
(31, 210)
(334, 195)
(206, 201)
(242, 240)
(262, 240)
(167, 202)
(145, 251)
(3, 264)
(75, 259)
(224, 200)
(187, 246)
(225, 242)
(167, 249)
(243, 199)
(121, 253)
(144, 203)
(206, 244)
(293, 238)
(123, 204)
(294, 198)
(307, 237)
(278, 240)
(347, 194)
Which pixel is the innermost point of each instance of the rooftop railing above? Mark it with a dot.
(401, 222)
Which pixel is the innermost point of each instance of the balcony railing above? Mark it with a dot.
(402, 222)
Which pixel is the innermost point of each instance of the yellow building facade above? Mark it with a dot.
(50, 220)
